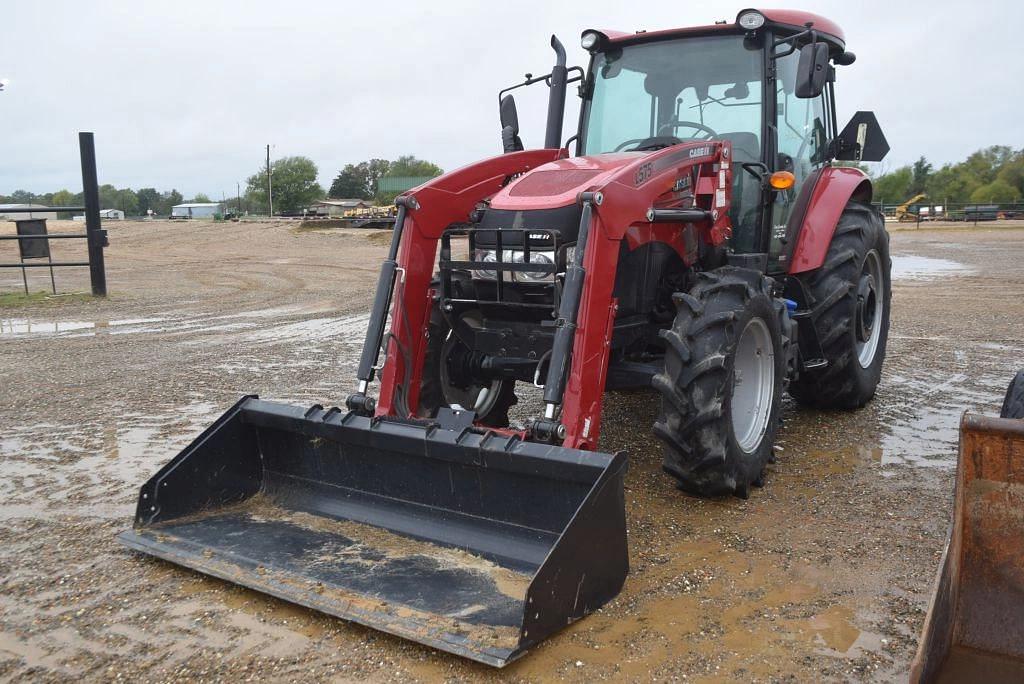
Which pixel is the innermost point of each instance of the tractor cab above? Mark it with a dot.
(764, 83)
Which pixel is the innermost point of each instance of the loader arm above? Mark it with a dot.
(633, 195)
(434, 206)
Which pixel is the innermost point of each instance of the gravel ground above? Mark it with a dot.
(824, 574)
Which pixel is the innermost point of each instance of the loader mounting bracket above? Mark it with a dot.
(546, 430)
(360, 404)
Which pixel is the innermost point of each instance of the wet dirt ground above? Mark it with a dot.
(823, 574)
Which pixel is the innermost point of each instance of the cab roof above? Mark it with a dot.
(795, 19)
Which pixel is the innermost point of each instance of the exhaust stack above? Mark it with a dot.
(556, 97)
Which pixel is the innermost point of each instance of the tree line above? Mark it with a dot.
(294, 187)
(994, 175)
(362, 180)
(131, 202)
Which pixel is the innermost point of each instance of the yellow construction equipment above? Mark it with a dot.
(903, 214)
(974, 631)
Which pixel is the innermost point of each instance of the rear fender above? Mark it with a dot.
(815, 215)
(435, 205)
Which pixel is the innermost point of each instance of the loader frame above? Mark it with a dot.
(586, 312)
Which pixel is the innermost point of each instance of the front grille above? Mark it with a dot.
(525, 240)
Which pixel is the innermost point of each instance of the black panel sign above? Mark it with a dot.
(34, 248)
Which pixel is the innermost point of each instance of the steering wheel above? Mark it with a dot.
(653, 143)
(690, 124)
(659, 141)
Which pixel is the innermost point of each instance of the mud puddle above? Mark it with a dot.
(342, 330)
(85, 469)
(910, 267)
(252, 326)
(19, 327)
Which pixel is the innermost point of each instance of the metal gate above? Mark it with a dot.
(34, 241)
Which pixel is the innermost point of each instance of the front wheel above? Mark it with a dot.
(1013, 402)
(850, 298)
(725, 367)
(448, 382)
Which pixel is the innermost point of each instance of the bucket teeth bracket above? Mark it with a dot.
(456, 420)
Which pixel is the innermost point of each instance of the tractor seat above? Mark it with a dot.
(745, 146)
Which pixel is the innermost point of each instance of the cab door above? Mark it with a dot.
(800, 133)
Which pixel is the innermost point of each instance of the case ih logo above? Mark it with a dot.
(700, 151)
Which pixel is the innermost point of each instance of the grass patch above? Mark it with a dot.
(16, 299)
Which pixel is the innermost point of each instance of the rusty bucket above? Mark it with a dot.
(974, 631)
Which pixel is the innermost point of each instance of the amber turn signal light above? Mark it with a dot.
(781, 180)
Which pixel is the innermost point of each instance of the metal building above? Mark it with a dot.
(337, 207)
(197, 210)
(391, 184)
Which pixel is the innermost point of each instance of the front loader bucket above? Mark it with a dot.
(974, 630)
(469, 541)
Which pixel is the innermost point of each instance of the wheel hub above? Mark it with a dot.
(867, 318)
(457, 360)
(866, 302)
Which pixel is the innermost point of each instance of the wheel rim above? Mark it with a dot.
(753, 389)
(870, 305)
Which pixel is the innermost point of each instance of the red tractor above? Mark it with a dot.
(700, 242)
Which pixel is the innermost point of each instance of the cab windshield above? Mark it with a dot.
(653, 95)
(656, 94)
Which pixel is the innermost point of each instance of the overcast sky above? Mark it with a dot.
(185, 94)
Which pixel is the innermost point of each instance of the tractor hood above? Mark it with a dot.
(558, 183)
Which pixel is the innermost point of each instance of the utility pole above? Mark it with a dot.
(270, 185)
(238, 193)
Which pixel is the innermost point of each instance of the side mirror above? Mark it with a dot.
(812, 70)
(509, 125)
(861, 140)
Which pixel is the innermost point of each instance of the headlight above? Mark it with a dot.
(546, 258)
(490, 256)
(750, 20)
(487, 256)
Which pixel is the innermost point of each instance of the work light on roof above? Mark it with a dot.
(590, 40)
(751, 20)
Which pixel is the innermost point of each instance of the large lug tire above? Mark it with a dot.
(726, 360)
(1013, 403)
(850, 301)
(491, 401)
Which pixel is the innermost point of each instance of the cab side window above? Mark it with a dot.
(801, 139)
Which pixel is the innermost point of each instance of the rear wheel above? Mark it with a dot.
(725, 365)
(850, 299)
